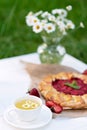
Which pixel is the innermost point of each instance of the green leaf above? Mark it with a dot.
(72, 85)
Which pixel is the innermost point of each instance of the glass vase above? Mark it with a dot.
(51, 52)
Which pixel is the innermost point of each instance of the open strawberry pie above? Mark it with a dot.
(67, 89)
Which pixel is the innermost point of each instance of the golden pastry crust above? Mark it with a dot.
(67, 101)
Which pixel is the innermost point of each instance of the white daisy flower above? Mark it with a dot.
(51, 18)
(38, 13)
(54, 11)
(69, 7)
(61, 26)
(61, 12)
(82, 25)
(31, 20)
(45, 14)
(37, 28)
(30, 13)
(35, 20)
(43, 22)
(70, 25)
(60, 19)
(49, 27)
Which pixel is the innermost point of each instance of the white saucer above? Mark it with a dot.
(42, 119)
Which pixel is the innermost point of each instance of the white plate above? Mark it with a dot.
(43, 119)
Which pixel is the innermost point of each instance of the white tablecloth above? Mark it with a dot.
(14, 82)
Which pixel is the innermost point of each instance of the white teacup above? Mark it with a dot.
(27, 108)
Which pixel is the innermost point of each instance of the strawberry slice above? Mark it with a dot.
(85, 72)
(57, 109)
(34, 92)
(49, 103)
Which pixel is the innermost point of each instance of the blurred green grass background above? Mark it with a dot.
(16, 38)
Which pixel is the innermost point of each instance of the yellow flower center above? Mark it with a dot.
(49, 28)
(37, 27)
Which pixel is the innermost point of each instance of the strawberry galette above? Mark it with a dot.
(66, 89)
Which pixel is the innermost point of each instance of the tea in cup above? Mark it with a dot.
(27, 108)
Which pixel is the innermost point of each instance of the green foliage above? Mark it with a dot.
(18, 39)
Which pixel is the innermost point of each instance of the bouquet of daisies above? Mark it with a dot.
(48, 23)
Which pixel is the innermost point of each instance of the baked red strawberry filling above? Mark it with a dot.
(73, 86)
(85, 72)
